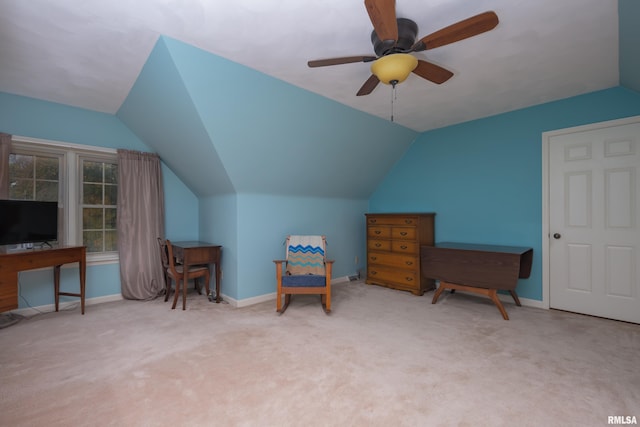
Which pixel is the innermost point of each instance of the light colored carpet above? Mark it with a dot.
(382, 358)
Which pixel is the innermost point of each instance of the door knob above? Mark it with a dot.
(557, 235)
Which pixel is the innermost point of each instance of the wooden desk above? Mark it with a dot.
(194, 253)
(482, 269)
(12, 263)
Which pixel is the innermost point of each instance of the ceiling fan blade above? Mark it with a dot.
(338, 61)
(383, 17)
(459, 31)
(369, 85)
(432, 72)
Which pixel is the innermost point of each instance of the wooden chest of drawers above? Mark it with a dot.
(393, 250)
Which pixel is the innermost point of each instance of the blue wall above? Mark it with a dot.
(484, 178)
(267, 220)
(45, 120)
(265, 159)
(252, 228)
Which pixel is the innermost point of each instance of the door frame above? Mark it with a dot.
(546, 238)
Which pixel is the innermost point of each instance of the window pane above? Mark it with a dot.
(93, 240)
(111, 241)
(21, 189)
(91, 171)
(92, 219)
(21, 166)
(110, 218)
(47, 191)
(110, 173)
(47, 168)
(110, 195)
(92, 194)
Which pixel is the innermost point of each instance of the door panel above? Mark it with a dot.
(594, 248)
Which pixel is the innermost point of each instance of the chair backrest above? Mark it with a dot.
(164, 256)
(305, 255)
(172, 264)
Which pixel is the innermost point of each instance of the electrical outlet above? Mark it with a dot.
(357, 259)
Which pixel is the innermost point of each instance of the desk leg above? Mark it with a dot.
(217, 266)
(56, 284)
(185, 282)
(83, 277)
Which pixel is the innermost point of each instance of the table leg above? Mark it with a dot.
(217, 266)
(437, 293)
(515, 297)
(56, 284)
(493, 294)
(83, 277)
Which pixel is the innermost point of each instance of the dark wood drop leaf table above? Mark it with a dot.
(481, 269)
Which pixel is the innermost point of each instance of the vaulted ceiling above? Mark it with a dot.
(89, 53)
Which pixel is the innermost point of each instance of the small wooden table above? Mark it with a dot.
(195, 253)
(12, 263)
(481, 269)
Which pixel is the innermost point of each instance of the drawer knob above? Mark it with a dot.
(403, 247)
(377, 232)
(409, 262)
(409, 279)
(403, 233)
(373, 273)
(373, 258)
(378, 245)
(372, 221)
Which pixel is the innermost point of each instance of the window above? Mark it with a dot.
(99, 197)
(34, 177)
(82, 179)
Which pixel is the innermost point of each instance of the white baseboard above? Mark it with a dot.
(524, 301)
(30, 311)
(269, 297)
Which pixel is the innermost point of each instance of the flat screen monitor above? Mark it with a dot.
(27, 221)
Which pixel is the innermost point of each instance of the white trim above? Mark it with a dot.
(526, 302)
(269, 297)
(31, 311)
(64, 145)
(546, 141)
(70, 185)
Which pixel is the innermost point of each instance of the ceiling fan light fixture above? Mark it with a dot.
(395, 68)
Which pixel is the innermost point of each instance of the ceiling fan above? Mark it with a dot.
(393, 41)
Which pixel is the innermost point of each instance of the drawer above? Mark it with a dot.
(405, 247)
(382, 232)
(393, 260)
(388, 220)
(388, 274)
(379, 245)
(408, 233)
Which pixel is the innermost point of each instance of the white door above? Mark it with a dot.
(594, 203)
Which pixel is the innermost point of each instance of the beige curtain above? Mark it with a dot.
(140, 223)
(5, 150)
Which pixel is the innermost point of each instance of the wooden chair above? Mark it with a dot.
(304, 271)
(164, 256)
(177, 274)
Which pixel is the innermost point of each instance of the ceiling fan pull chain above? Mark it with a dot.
(393, 97)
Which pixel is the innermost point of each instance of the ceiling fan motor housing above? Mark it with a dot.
(407, 32)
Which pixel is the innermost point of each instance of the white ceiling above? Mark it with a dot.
(88, 53)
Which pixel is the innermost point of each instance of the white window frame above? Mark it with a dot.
(70, 184)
